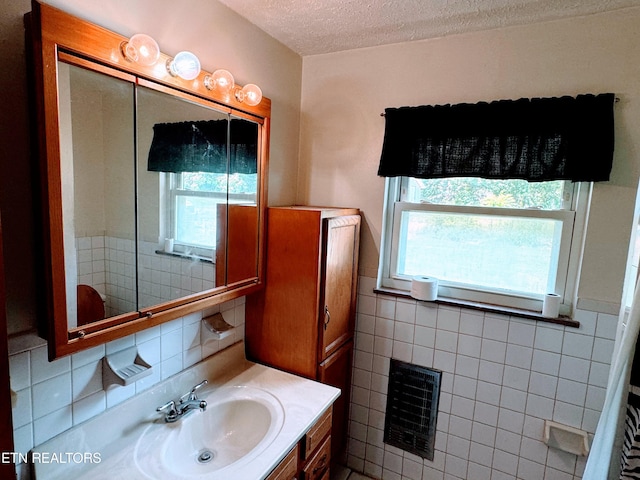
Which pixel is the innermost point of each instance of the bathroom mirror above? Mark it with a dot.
(97, 170)
(154, 187)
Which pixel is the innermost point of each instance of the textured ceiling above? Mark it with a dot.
(311, 27)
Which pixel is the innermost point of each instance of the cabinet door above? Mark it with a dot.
(287, 468)
(318, 466)
(340, 270)
(336, 371)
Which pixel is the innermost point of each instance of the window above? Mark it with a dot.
(503, 242)
(633, 261)
(194, 197)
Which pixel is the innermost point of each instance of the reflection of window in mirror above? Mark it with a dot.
(194, 162)
(193, 199)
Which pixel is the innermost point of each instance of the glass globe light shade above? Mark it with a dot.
(251, 94)
(220, 80)
(184, 65)
(141, 49)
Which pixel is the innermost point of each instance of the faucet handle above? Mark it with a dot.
(199, 386)
(169, 408)
(192, 394)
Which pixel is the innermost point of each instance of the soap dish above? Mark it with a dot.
(218, 327)
(566, 438)
(123, 368)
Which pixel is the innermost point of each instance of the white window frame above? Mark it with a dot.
(573, 216)
(173, 191)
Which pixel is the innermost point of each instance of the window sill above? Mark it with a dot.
(484, 307)
(185, 255)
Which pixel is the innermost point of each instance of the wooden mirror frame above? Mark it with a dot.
(53, 34)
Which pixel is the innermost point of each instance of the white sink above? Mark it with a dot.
(238, 424)
(255, 415)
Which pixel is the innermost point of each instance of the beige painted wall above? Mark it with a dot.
(344, 93)
(219, 37)
(103, 141)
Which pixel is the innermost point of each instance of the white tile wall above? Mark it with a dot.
(107, 264)
(54, 396)
(177, 276)
(503, 376)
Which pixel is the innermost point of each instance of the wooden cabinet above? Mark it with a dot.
(236, 245)
(310, 459)
(303, 320)
(315, 451)
(336, 371)
(317, 468)
(287, 469)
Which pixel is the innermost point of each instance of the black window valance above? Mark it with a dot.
(201, 146)
(535, 139)
(243, 146)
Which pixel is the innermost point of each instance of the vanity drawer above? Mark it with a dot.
(316, 434)
(287, 468)
(318, 467)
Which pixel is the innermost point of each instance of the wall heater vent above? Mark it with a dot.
(412, 408)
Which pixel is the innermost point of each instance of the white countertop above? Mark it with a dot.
(113, 434)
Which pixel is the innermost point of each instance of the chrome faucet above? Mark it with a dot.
(187, 402)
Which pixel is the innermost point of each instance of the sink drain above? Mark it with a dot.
(205, 456)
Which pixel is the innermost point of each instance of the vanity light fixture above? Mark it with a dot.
(144, 50)
(220, 80)
(184, 65)
(249, 94)
(141, 49)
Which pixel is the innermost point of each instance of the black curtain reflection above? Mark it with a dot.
(201, 146)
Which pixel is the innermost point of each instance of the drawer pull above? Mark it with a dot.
(321, 464)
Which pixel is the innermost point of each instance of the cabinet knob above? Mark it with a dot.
(327, 316)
